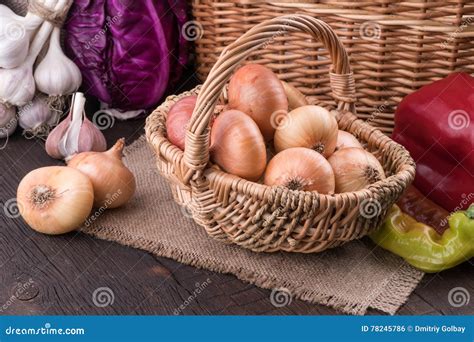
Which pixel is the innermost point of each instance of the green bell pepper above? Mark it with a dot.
(421, 246)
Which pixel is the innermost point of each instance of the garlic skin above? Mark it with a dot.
(8, 121)
(17, 86)
(57, 75)
(75, 134)
(15, 35)
(36, 118)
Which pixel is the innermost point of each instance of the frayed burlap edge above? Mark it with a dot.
(388, 298)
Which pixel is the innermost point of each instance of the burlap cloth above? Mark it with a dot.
(350, 278)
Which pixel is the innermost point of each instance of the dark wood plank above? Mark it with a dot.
(58, 275)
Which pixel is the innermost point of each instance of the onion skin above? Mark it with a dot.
(300, 168)
(295, 97)
(237, 145)
(113, 183)
(345, 140)
(70, 199)
(355, 169)
(178, 118)
(257, 91)
(310, 126)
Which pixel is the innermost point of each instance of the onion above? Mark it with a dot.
(257, 91)
(237, 145)
(295, 97)
(355, 169)
(55, 199)
(308, 126)
(178, 118)
(345, 139)
(300, 168)
(114, 184)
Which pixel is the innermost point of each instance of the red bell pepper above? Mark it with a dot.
(436, 124)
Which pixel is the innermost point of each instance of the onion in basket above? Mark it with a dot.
(308, 126)
(237, 145)
(345, 140)
(178, 118)
(355, 169)
(300, 168)
(257, 91)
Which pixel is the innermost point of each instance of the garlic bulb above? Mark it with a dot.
(37, 119)
(75, 134)
(17, 86)
(8, 120)
(57, 75)
(15, 35)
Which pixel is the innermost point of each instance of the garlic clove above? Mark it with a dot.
(52, 142)
(91, 138)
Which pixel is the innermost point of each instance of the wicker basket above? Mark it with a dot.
(263, 218)
(395, 46)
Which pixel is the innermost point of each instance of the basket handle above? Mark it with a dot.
(196, 154)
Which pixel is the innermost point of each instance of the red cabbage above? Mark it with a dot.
(129, 52)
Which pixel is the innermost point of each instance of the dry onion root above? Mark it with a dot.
(300, 168)
(309, 126)
(55, 199)
(355, 169)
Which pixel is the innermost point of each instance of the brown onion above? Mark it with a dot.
(114, 184)
(178, 118)
(295, 97)
(308, 126)
(355, 169)
(237, 145)
(300, 168)
(345, 140)
(257, 91)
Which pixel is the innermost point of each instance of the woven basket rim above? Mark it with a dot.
(265, 190)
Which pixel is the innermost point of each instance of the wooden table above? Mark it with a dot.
(44, 275)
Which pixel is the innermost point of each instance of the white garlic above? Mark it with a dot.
(37, 119)
(57, 75)
(17, 86)
(15, 35)
(8, 120)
